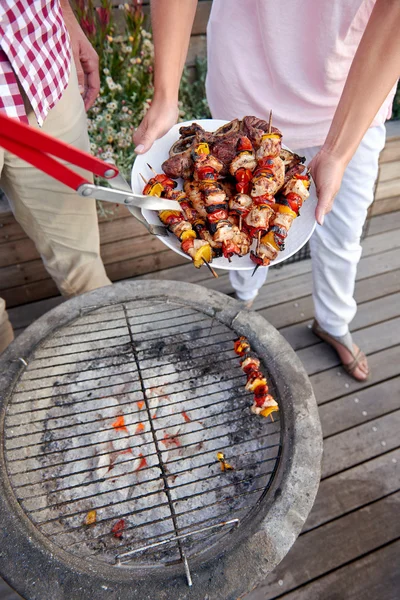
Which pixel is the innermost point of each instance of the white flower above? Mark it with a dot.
(99, 118)
(112, 105)
(106, 71)
(93, 146)
(124, 109)
(108, 117)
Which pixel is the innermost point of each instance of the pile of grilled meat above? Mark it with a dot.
(240, 185)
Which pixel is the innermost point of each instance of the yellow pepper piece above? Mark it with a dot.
(287, 210)
(189, 233)
(203, 148)
(164, 214)
(90, 517)
(156, 190)
(269, 238)
(204, 252)
(254, 384)
(220, 456)
(267, 411)
(271, 136)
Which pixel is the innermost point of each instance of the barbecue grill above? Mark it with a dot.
(114, 407)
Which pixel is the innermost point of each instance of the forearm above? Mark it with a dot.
(172, 22)
(374, 71)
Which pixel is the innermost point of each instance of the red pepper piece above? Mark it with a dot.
(118, 528)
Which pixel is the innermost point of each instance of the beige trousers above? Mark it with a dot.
(62, 225)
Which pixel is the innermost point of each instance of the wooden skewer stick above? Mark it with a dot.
(240, 222)
(145, 180)
(258, 242)
(270, 122)
(255, 269)
(151, 169)
(210, 267)
(272, 418)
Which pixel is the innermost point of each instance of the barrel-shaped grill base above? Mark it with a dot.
(276, 473)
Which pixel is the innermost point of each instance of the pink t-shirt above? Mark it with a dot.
(291, 56)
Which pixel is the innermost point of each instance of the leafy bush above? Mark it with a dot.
(126, 66)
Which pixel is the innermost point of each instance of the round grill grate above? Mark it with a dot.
(122, 412)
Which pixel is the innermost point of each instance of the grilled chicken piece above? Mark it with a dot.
(195, 196)
(240, 204)
(244, 160)
(269, 184)
(283, 220)
(270, 145)
(296, 186)
(214, 195)
(225, 232)
(208, 160)
(259, 216)
(242, 241)
(178, 228)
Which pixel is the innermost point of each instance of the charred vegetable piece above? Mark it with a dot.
(225, 466)
(118, 528)
(91, 517)
(241, 346)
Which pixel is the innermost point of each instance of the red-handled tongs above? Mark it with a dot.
(38, 149)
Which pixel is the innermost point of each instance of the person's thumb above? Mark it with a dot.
(80, 73)
(325, 202)
(144, 137)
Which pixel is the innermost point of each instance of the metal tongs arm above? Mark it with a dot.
(38, 149)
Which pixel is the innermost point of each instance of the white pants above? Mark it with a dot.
(335, 247)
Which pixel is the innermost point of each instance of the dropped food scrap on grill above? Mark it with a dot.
(264, 404)
(91, 517)
(225, 466)
(118, 528)
(241, 191)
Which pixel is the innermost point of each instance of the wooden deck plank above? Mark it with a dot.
(302, 309)
(321, 356)
(296, 287)
(359, 444)
(359, 407)
(300, 335)
(334, 383)
(355, 488)
(372, 577)
(332, 546)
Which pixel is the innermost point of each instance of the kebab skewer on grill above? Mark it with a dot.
(264, 404)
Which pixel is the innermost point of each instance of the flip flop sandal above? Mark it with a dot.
(347, 342)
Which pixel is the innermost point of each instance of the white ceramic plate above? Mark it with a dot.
(299, 233)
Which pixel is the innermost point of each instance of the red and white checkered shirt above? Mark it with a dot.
(35, 50)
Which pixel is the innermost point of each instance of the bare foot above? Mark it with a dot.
(361, 371)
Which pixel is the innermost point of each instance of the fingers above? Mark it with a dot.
(89, 65)
(93, 87)
(145, 136)
(80, 73)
